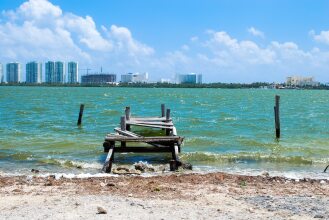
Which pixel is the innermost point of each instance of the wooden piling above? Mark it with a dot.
(127, 112)
(168, 119)
(277, 116)
(163, 110)
(168, 115)
(123, 128)
(82, 106)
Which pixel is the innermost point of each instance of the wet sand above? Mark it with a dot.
(168, 196)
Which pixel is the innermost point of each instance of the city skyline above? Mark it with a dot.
(279, 38)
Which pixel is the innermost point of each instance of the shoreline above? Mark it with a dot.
(169, 196)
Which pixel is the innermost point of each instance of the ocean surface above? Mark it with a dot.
(225, 129)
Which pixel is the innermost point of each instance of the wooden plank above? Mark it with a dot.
(149, 119)
(142, 149)
(151, 123)
(174, 139)
(126, 133)
(108, 161)
(150, 126)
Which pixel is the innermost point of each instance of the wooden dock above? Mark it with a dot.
(169, 143)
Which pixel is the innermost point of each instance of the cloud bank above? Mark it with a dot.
(40, 30)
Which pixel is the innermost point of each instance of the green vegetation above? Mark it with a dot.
(254, 85)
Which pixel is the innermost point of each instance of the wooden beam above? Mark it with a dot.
(126, 133)
(169, 139)
(148, 119)
(150, 125)
(143, 149)
(108, 161)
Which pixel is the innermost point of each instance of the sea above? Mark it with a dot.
(227, 130)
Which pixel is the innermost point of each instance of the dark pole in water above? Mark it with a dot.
(123, 123)
(82, 106)
(168, 115)
(277, 116)
(163, 109)
(326, 169)
(123, 128)
(127, 112)
(167, 120)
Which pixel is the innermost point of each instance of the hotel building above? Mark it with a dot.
(33, 72)
(13, 72)
(72, 72)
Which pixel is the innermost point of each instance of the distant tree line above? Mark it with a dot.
(254, 85)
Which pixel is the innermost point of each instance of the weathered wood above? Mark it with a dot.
(163, 110)
(168, 114)
(173, 165)
(107, 145)
(170, 124)
(167, 120)
(277, 116)
(82, 106)
(131, 134)
(168, 139)
(163, 119)
(126, 133)
(127, 113)
(142, 149)
(123, 123)
(108, 161)
(150, 125)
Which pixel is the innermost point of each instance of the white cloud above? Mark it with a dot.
(229, 50)
(323, 37)
(123, 40)
(40, 30)
(255, 32)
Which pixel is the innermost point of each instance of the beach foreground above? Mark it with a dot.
(171, 196)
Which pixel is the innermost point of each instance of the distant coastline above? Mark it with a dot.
(256, 85)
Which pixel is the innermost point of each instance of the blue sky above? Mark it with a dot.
(226, 41)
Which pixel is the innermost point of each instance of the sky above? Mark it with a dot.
(225, 40)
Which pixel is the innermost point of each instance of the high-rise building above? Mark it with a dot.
(59, 72)
(301, 81)
(102, 78)
(33, 72)
(72, 72)
(190, 78)
(55, 72)
(50, 72)
(1, 74)
(134, 78)
(13, 71)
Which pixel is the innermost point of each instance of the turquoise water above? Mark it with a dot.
(230, 130)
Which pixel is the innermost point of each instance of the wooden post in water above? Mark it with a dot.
(167, 120)
(127, 112)
(123, 128)
(168, 115)
(82, 106)
(163, 110)
(277, 116)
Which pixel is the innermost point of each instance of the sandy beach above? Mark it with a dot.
(169, 196)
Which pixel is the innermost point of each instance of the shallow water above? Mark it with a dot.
(228, 130)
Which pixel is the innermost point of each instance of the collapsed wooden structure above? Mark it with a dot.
(169, 143)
